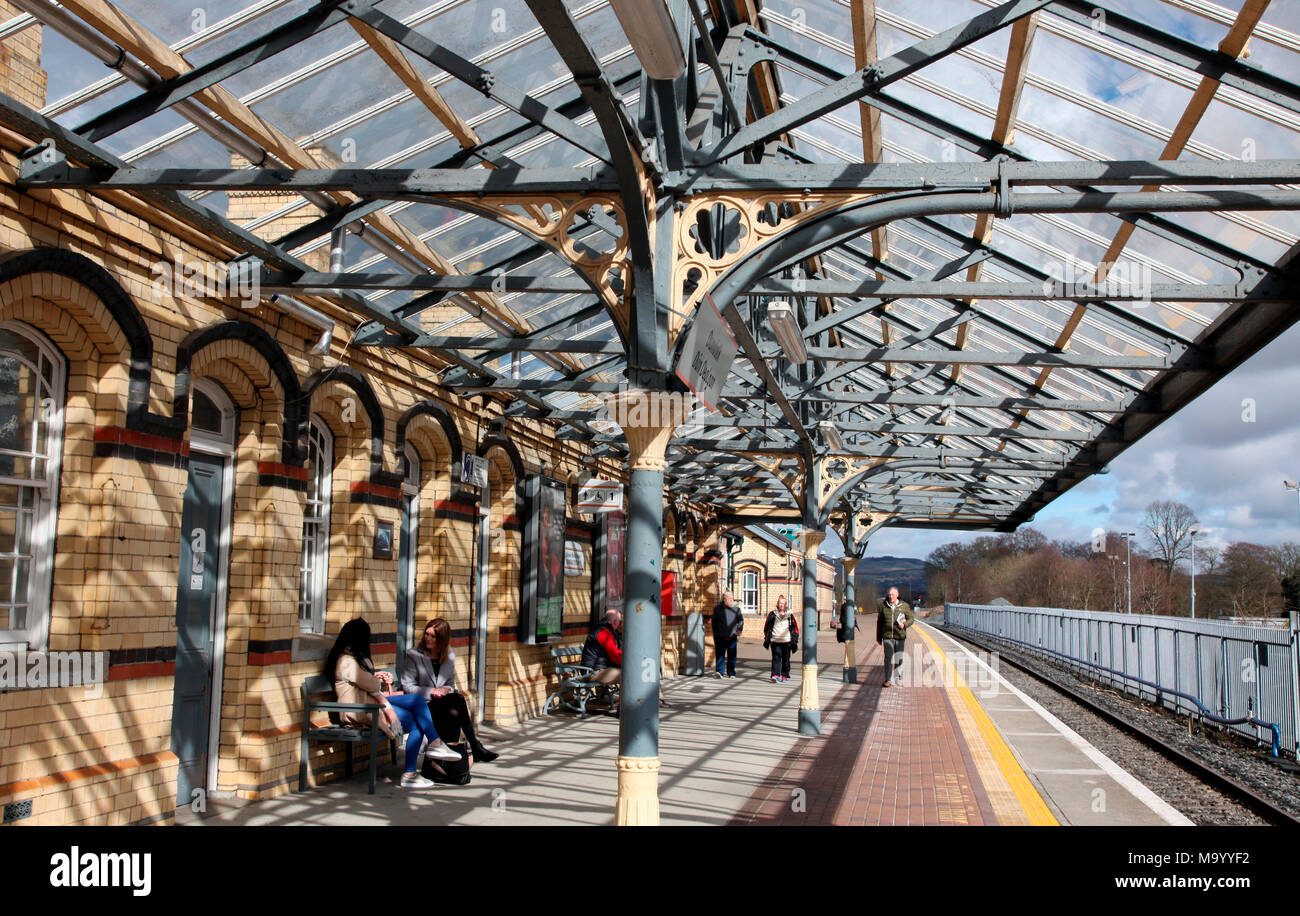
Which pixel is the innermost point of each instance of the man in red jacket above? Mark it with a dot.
(603, 650)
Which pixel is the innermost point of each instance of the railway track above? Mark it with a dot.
(1226, 783)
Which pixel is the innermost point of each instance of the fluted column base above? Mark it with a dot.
(638, 792)
(810, 716)
(850, 663)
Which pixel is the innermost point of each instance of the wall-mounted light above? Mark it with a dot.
(786, 328)
(653, 35)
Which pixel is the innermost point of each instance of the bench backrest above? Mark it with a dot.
(565, 654)
(318, 684)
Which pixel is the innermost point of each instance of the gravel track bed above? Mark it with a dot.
(1203, 804)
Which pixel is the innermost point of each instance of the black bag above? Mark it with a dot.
(449, 772)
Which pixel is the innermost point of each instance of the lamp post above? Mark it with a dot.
(1128, 566)
(1293, 485)
(1194, 532)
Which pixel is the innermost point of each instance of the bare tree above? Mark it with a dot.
(1169, 525)
(1207, 559)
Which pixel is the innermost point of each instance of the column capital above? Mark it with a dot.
(811, 539)
(648, 419)
(850, 564)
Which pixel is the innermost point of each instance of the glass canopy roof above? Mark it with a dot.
(1071, 82)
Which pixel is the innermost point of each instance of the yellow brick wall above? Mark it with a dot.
(109, 760)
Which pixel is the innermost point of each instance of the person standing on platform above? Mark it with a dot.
(781, 635)
(728, 623)
(893, 619)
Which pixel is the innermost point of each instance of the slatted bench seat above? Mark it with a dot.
(576, 688)
(318, 686)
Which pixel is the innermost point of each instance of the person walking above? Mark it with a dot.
(781, 635)
(728, 623)
(893, 618)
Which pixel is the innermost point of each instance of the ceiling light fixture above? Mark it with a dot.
(831, 435)
(786, 328)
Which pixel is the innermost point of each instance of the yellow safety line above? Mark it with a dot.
(1034, 807)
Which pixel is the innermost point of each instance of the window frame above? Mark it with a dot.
(746, 607)
(313, 594)
(45, 492)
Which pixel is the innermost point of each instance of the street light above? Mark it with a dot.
(1194, 532)
(1292, 485)
(1128, 566)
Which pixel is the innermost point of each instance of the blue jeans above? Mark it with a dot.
(726, 650)
(413, 711)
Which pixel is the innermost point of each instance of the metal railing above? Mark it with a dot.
(1242, 677)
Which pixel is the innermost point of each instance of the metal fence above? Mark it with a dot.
(1235, 671)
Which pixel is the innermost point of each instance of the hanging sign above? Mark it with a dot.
(600, 496)
(707, 354)
(474, 471)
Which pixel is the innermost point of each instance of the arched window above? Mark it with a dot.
(749, 591)
(316, 528)
(31, 443)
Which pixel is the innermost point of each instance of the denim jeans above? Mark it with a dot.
(894, 650)
(413, 711)
(727, 656)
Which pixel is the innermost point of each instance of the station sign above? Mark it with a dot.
(474, 471)
(707, 354)
(600, 496)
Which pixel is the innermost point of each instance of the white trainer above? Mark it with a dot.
(416, 781)
(439, 751)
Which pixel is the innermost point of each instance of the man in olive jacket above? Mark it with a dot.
(893, 620)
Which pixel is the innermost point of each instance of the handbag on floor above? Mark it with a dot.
(449, 772)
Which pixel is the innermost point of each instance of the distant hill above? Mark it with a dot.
(908, 573)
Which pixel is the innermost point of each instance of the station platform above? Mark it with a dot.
(955, 744)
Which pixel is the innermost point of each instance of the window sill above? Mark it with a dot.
(310, 647)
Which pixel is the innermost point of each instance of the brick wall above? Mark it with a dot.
(90, 289)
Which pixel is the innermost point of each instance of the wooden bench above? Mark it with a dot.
(576, 688)
(318, 685)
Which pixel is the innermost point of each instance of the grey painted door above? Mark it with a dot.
(406, 562)
(196, 600)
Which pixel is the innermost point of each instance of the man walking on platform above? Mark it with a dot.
(728, 622)
(893, 619)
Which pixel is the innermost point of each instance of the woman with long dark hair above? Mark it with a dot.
(349, 666)
(430, 672)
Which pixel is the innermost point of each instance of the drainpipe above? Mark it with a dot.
(307, 315)
(116, 58)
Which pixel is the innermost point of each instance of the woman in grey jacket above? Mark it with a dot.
(430, 671)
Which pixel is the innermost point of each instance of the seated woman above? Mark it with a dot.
(430, 672)
(349, 666)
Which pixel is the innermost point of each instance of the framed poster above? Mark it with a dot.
(608, 564)
(541, 604)
(384, 541)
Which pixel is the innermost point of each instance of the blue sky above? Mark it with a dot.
(1212, 456)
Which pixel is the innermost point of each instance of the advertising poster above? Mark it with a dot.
(550, 552)
(615, 559)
